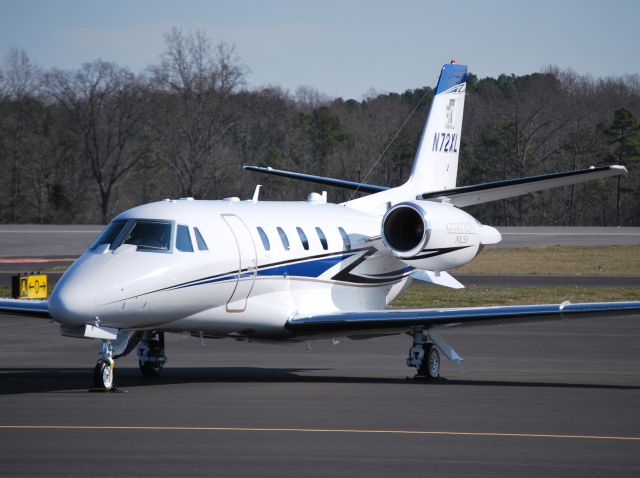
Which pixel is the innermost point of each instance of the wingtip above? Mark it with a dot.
(622, 169)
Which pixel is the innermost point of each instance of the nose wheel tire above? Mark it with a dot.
(103, 376)
(430, 366)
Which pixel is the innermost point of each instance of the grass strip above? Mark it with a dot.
(557, 260)
(471, 296)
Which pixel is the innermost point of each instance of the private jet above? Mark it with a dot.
(287, 271)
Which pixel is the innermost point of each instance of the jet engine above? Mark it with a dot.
(434, 236)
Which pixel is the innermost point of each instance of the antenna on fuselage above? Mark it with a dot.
(256, 193)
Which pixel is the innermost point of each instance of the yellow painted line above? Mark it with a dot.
(319, 430)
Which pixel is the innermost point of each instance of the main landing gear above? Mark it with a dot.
(151, 357)
(424, 356)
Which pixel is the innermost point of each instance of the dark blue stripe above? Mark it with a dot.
(312, 269)
(305, 268)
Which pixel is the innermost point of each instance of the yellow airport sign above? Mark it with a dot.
(33, 287)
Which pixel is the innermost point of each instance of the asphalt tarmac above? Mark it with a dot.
(553, 399)
(568, 236)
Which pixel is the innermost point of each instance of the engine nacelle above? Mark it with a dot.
(430, 235)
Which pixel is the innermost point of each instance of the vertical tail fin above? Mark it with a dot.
(436, 163)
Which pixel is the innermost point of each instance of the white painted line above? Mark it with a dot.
(322, 430)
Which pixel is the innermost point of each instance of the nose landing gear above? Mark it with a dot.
(151, 356)
(103, 371)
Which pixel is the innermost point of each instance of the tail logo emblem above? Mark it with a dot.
(451, 108)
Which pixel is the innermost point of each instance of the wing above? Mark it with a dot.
(399, 320)
(487, 192)
(31, 308)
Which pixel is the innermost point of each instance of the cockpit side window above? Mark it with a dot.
(150, 236)
(109, 235)
(202, 245)
(183, 240)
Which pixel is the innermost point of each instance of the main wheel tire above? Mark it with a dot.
(433, 363)
(430, 366)
(103, 375)
(150, 369)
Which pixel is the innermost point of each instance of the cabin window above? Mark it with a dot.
(202, 245)
(109, 234)
(150, 236)
(284, 239)
(323, 238)
(183, 240)
(264, 238)
(303, 238)
(345, 239)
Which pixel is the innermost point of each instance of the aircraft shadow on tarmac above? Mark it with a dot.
(74, 380)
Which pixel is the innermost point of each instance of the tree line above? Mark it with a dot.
(79, 146)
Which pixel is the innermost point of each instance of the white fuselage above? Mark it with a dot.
(240, 285)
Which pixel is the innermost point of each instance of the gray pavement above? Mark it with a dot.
(557, 399)
(568, 236)
(47, 240)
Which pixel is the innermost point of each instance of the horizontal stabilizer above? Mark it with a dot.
(487, 192)
(338, 183)
(441, 278)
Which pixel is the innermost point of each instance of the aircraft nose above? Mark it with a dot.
(73, 302)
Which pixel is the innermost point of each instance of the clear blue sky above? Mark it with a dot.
(342, 48)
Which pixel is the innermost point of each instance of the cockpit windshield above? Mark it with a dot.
(150, 236)
(109, 235)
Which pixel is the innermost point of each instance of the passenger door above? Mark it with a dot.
(247, 262)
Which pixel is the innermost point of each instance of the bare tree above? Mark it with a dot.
(105, 108)
(194, 84)
(23, 138)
